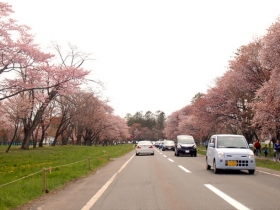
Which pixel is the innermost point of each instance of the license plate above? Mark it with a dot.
(187, 151)
(232, 163)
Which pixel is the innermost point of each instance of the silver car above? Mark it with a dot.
(229, 152)
(168, 145)
(145, 147)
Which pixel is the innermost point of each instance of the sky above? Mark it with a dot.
(150, 54)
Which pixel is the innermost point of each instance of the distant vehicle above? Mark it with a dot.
(186, 145)
(145, 148)
(230, 152)
(160, 145)
(157, 144)
(168, 145)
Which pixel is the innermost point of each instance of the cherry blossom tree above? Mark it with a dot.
(266, 102)
(18, 51)
(62, 79)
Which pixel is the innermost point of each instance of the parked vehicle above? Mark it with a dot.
(168, 145)
(229, 152)
(144, 147)
(186, 145)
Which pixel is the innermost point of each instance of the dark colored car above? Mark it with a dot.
(185, 145)
(168, 145)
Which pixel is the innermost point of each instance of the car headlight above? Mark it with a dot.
(220, 154)
(194, 146)
(251, 154)
(178, 146)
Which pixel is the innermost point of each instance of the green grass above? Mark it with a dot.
(264, 163)
(22, 171)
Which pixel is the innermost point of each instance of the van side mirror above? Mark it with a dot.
(211, 145)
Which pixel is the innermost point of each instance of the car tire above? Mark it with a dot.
(216, 171)
(251, 171)
(208, 167)
(136, 154)
(194, 155)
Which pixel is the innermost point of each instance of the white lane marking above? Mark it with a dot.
(228, 199)
(269, 173)
(184, 169)
(164, 156)
(160, 153)
(92, 201)
(170, 160)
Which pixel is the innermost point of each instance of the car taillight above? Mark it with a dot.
(138, 147)
(150, 146)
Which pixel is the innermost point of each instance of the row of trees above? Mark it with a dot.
(148, 126)
(244, 100)
(40, 92)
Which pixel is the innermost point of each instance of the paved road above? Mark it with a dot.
(164, 181)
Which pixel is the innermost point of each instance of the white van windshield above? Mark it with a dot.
(231, 142)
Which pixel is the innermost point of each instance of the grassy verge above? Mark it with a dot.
(22, 172)
(264, 163)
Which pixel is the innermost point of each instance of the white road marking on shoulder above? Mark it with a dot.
(184, 169)
(228, 199)
(92, 201)
(164, 156)
(170, 160)
(268, 173)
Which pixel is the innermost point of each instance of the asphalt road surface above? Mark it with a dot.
(164, 181)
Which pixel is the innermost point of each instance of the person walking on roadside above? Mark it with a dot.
(257, 145)
(277, 150)
(265, 150)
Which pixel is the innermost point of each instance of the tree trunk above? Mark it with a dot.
(42, 137)
(28, 130)
(15, 133)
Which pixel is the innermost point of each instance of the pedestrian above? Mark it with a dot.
(257, 145)
(276, 149)
(206, 144)
(265, 150)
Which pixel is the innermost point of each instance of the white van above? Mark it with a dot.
(230, 152)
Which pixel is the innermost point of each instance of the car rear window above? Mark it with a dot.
(145, 143)
(169, 142)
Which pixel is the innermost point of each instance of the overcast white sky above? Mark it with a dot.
(150, 54)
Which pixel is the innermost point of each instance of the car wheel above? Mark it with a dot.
(251, 171)
(194, 155)
(216, 171)
(208, 167)
(137, 154)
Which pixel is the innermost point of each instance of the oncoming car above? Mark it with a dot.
(186, 145)
(229, 152)
(144, 148)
